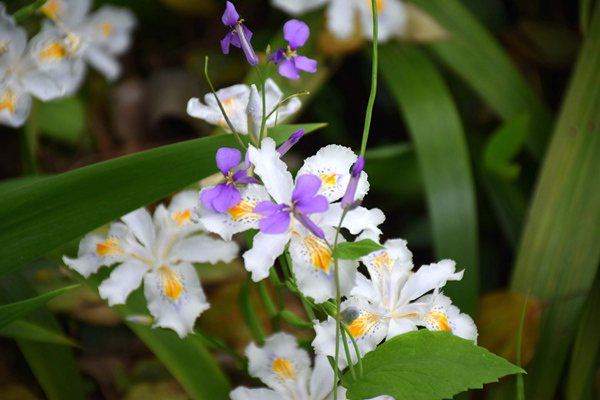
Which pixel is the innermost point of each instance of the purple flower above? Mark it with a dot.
(305, 200)
(224, 196)
(296, 33)
(292, 140)
(239, 35)
(348, 199)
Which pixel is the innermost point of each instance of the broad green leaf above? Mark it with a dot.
(35, 332)
(504, 145)
(40, 216)
(586, 348)
(356, 250)
(559, 253)
(425, 365)
(443, 158)
(58, 383)
(477, 58)
(9, 313)
(62, 120)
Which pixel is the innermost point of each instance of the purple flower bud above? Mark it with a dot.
(292, 140)
(348, 199)
(296, 33)
(239, 35)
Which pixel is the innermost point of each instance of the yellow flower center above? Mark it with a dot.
(51, 9)
(8, 101)
(182, 217)
(106, 28)
(53, 51)
(3, 46)
(439, 320)
(284, 368)
(289, 53)
(320, 254)
(109, 247)
(171, 283)
(328, 179)
(383, 260)
(230, 106)
(241, 210)
(363, 324)
(379, 3)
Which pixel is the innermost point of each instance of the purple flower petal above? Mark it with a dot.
(306, 187)
(310, 225)
(317, 204)
(244, 36)
(226, 42)
(275, 223)
(230, 16)
(221, 198)
(348, 199)
(277, 56)
(267, 208)
(242, 177)
(287, 69)
(227, 159)
(296, 33)
(305, 64)
(292, 140)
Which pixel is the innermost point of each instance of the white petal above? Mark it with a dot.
(183, 201)
(238, 219)
(356, 221)
(341, 18)
(314, 266)
(123, 280)
(175, 297)
(103, 62)
(17, 105)
(141, 225)
(442, 315)
(265, 249)
(12, 38)
(203, 249)
(242, 393)
(332, 164)
(254, 111)
(324, 342)
(272, 171)
(321, 380)
(111, 28)
(429, 277)
(368, 326)
(70, 12)
(283, 112)
(364, 288)
(234, 100)
(297, 7)
(400, 326)
(280, 363)
(391, 19)
(87, 261)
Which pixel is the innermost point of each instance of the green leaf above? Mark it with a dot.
(40, 216)
(425, 365)
(9, 313)
(477, 58)
(53, 365)
(32, 331)
(63, 119)
(25, 12)
(294, 320)
(356, 250)
(249, 314)
(439, 142)
(504, 145)
(559, 253)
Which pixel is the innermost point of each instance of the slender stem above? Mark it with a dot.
(520, 381)
(218, 344)
(338, 304)
(282, 102)
(227, 120)
(347, 352)
(265, 297)
(29, 140)
(263, 122)
(371, 102)
(356, 350)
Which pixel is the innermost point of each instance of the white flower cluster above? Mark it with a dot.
(53, 63)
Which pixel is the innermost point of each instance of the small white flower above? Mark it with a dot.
(342, 16)
(160, 251)
(285, 369)
(395, 301)
(243, 105)
(98, 38)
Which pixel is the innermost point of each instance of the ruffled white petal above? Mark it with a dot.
(87, 262)
(203, 249)
(110, 27)
(17, 105)
(314, 266)
(280, 364)
(332, 164)
(103, 62)
(365, 322)
(356, 221)
(297, 7)
(442, 314)
(234, 100)
(341, 18)
(238, 219)
(399, 326)
(324, 342)
(272, 171)
(12, 38)
(265, 249)
(321, 379)
(123, 280)
(141, 225)
(175, 297)
(243, 393)
(429, 277)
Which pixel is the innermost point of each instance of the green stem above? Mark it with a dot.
(227, 120)
(519, 380)
(371, 102)
(28, 139)
(347, 352)
(263, 122)
(355, 345)
(218, 344)
(338, 304)
(282, 102)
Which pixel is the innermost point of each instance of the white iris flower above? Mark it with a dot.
(160, 251)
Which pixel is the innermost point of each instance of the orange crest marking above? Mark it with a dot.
(8, 101)
(439, 320)
(363, 324)
(241, 210)
(284, 368)
(109, 247)
(328, 179)
(51, 9)
(106, 28)
(54, 51)
(182, 217)
(320, 254)
(171, 283)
